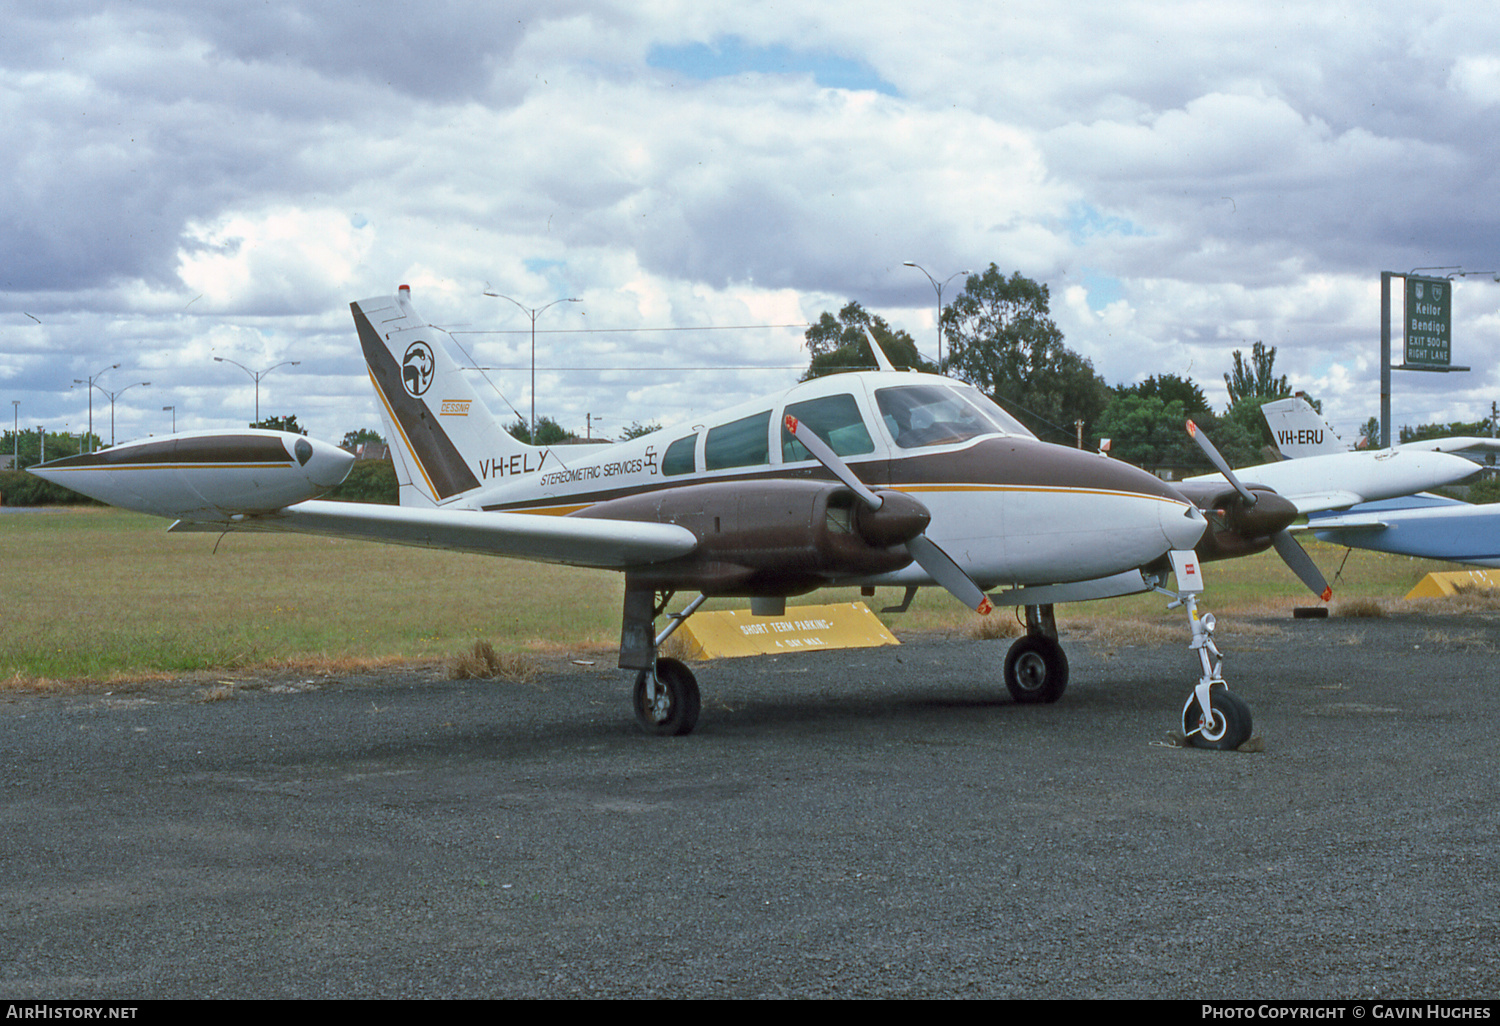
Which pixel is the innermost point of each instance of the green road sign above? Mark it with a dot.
(1429, 321)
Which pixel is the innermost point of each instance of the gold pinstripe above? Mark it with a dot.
(405, 441)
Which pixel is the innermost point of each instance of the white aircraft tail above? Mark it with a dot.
(444, 440)
(1299, 430)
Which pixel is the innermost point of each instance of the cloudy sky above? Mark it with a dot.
(191, 180)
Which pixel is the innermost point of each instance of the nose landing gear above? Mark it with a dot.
(1213, 716)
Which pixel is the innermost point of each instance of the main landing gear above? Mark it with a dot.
(665, 697)
(1036, 668)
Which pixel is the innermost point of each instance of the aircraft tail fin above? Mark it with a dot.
(444, 440)
(1299, 430)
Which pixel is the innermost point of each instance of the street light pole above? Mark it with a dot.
(112, 396)
(257, 375)
(939, 288)
(15, 436)
(533, 313)
(164, 409)
(92, 386)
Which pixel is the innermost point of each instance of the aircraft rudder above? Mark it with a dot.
(446, 436)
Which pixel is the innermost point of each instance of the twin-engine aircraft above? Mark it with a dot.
(868, 479)
(1423, 525)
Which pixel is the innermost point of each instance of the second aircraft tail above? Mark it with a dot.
(1300, 430)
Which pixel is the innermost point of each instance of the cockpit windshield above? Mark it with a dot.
(921, 415)
(1007, 424)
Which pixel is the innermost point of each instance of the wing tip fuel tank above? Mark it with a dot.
(204, 475)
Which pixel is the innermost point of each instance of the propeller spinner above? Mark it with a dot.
(926, 552)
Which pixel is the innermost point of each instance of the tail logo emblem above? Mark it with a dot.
(417, 368)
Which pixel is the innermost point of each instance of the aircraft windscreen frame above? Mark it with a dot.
(918, 416)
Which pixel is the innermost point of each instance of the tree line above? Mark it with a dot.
(1000, 337)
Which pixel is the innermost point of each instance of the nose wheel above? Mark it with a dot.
(1225, 726)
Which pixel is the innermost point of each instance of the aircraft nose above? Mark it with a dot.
(1182, 526)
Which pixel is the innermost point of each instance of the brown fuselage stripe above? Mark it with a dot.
(230, 451)
(1025, 465)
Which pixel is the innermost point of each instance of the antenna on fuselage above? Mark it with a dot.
(881, 360)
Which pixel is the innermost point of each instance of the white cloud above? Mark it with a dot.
(184, 181)
(279, 260)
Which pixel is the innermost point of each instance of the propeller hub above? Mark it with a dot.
(1270, 513)
(899, 519)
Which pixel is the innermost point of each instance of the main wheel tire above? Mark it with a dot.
(674, 711)
(1227, 726)
(1036, 670)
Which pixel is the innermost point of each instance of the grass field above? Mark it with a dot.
(101, 594)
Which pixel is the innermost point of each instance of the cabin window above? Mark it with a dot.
(833, 418)
(678, 458)
(921, 415)
(743, 443)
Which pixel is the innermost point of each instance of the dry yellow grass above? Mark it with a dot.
(483, 662)
(1002, 623)
(1364, 607)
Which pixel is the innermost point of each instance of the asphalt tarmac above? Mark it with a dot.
(877, 823)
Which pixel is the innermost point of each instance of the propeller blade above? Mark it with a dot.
(830, 459)
(940, 566)
(1301, 563)
(1219, 463)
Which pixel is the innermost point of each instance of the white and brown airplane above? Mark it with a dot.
(868, 479)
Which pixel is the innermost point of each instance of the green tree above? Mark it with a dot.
(1369, 434)
(548, 432)
(838, 344)
(28, 449)
(288, 423)
(1257, 378)
(1146, 422)
(1146, 431)
(354, 439)
(1420, 433)
(1169, 388)
(1243, 437)
(369, 481)
(1251, 385)
(1002, 340)
(637, 429)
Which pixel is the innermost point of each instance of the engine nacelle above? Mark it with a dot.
(781, 537)
(208, 476)
(1235, 529)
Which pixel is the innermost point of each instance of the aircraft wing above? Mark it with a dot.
(1344, 522)
(1313, 502)
(576, 541)
(1457, 444)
